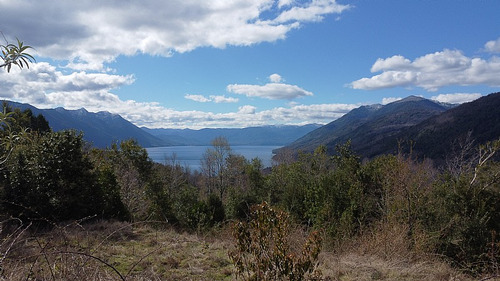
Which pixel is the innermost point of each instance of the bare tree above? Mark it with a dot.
(214, 165)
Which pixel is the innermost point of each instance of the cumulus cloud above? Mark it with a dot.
(493, 46)
(247, 109)
(42, 83)
(456, 98)
(272, 91)
(212, 98)
(275, 78)
(91, 33)
(433, 71)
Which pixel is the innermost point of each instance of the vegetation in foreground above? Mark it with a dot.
(139, 251)
(391, 217)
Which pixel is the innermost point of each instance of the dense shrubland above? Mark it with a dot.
(452, 212)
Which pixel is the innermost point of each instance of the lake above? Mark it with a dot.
(191, 155)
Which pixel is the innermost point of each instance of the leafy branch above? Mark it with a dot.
(15, 54)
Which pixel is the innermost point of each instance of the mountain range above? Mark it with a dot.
(428, 127)
(101, 129)
(265, 135)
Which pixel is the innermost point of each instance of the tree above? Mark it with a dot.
(52, 179)
(214, 165)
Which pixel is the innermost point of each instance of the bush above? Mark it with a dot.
(52, 179)
(263, 250)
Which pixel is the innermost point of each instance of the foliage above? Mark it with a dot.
(16, 127)
(194, 213)
(467, 213)
(15, 54)
(263, 249)
(50, 178)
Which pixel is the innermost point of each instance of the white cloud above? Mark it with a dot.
(197, 98)
(313, 11)
(223, 99)
(273, 91)
(212, 98)
(275, 78)
(247, 109)
(456, 98)
(394, 62)
(42, 82)
(89, 33)
(493, 46)
(432, 71)
(284, 3)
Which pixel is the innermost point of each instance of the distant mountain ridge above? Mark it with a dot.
(265, 135)
(101, 129)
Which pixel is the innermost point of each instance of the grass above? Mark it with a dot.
(123, 251)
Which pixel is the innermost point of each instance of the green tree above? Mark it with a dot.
(466, 213)
(133, 169)
(51, 178)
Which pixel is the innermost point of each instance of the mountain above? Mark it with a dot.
(101, 128)
(265, 135)
(368, 125)
(435, 137)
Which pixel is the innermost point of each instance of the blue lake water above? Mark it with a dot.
(191, 155)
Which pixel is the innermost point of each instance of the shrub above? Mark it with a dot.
(263, 250)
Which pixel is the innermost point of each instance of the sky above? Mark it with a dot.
(241, 63)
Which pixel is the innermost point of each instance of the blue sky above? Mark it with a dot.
(240, 63)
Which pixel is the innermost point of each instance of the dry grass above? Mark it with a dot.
(117, 251)
(122, 251)
(383, 254)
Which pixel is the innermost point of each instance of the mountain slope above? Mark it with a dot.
(434, 137)
(367, 125)
(101, 128)
(334, 130)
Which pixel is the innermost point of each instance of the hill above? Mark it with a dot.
(368, 125)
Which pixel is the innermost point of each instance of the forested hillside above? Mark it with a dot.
(368, 125)
(446, 134)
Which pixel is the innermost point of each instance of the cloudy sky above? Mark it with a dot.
(240, 63)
